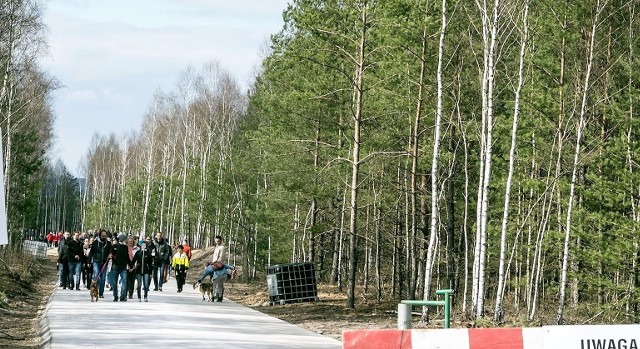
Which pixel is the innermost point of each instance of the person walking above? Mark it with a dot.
(87, 268)
(167, 270)
(143, 263)
(219, 253)
(99, 258)
(120, 267)
(50, 239)
(217, 271)
(219, 250)
(75, 256)
(161, 254)
(63, 260)
(132, 248)
(186, 248)
(180, 264)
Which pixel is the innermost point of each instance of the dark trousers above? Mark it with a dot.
(64, 274)
(131, 280)
(87, 272)
(181, 276)
(158, 272)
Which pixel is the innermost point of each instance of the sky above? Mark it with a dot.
(110, 56)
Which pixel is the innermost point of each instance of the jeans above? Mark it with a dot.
(143, 279)
(208, 271)
(115, 273)
(216, 281)
(218, 286)
(102, 277)
(75, 270)
(158, 273)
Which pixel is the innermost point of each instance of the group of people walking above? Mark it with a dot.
(131, 264)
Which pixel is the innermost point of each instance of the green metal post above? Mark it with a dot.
(447, 305)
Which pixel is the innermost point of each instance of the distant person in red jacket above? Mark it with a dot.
(50, 239)
(186, 248)
(59, 237)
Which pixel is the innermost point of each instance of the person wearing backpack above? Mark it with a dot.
(218, 273)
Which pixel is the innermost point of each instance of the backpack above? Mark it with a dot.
(217, 265)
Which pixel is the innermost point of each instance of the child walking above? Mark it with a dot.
(180, 264)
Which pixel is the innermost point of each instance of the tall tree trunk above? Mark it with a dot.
(580, 127)
(433, 231)
(358, 94)
(490, 37)
(499, 307)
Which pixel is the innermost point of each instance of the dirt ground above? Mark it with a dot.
(26, 286)
(328, 316)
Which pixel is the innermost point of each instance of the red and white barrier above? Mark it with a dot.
(474, 338)
(546, 337)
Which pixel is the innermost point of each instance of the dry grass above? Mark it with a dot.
(25, 286)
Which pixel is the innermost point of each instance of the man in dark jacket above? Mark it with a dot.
(122, 262)
(63, 260)
(75, 255)
(161, 254)
(98, 257)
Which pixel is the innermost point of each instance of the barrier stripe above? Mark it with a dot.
(460, 338)
(547, 337)
(495, 338)
(441, 339)
(377, 339)
(532, 337)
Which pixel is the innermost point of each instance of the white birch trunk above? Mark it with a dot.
(434, 167)
(488, 86)
(149, 165)
(574, 174)
(499, 315)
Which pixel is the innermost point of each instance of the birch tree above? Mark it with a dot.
(574, 173)
(499, 310)
(434, 164)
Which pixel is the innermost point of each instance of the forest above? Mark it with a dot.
(402, 146)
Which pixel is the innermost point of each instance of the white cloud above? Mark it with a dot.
(84, 94)
(111, 56)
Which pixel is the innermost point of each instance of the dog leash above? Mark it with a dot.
(100, 273)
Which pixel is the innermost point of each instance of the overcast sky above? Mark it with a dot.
(112, 55)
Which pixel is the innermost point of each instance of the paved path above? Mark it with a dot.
(169, 320)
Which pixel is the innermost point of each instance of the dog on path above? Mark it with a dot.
(93, 290)
(205, 289)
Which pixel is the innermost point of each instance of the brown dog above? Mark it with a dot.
(93, 290)
(205, 289)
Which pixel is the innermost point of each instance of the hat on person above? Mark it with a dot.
(122, 237)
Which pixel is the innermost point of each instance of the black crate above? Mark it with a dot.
(290, 283)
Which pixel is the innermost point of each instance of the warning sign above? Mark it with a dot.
(592, 337)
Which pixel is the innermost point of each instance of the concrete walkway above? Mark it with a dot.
(169, 320)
